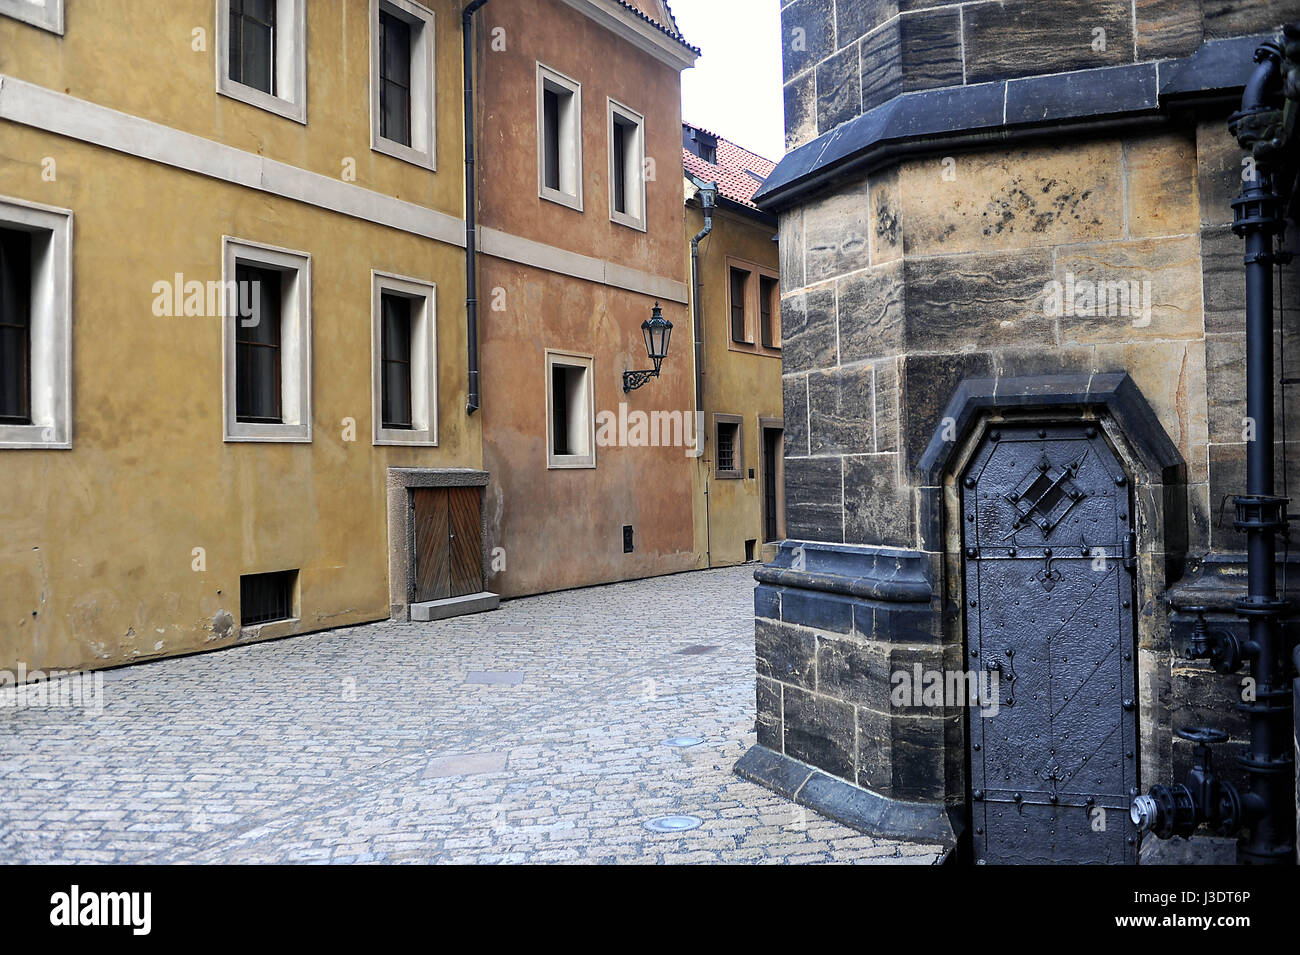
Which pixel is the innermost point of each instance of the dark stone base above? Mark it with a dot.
(860, 809)
(1198, 850)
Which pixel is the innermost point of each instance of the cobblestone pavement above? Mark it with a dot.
(531, 734)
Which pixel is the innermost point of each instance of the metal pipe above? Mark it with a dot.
(1270, 818)
(698, 329)
(471, 203)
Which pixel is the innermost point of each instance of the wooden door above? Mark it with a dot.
(448, 542)
(465, 543)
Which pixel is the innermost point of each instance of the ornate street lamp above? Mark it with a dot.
(656, 330)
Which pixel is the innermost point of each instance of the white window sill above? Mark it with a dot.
(33, 437)
(622, 218)
(565, 463)
(255, 97)
(423, 159)
(563, 198)
(273, 433)
(401, 437)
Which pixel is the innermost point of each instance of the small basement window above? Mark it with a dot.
(267, 597)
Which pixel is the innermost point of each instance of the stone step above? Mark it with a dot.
(454, 606)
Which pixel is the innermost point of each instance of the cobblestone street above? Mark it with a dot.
(532, 734)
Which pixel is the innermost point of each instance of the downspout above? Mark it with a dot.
(706, 205)
(1267, 807)
(1263, 809)
(471, 204)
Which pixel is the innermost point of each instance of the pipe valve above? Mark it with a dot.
(1179, 809)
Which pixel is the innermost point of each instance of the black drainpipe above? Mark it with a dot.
(698, 323)
(1264, 809)
(1267, 761)
(471, 202)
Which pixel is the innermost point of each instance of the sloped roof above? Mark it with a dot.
(669, 28)
(738, 172)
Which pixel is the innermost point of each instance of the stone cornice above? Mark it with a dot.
(1030, 107)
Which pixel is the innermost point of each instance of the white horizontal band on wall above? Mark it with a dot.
(50, 111)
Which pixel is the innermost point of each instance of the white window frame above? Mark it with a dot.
(46, 14)
(51, 327)
(422, 151)
(570, 461)
(424, 360)
(635, 186)
(295, 342)
(290, 62)
(570, 140)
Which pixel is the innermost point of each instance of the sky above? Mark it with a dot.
(735, 88)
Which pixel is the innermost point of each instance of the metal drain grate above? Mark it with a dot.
(684, 741)
(673, 823)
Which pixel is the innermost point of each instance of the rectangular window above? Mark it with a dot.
(262, 57)
(551, 138)
(405, 366)
(620, 168)
(252, 44)
(570, 418)
(267, 342)
(15, 327)
(739, 290)
(559, 138)
(626, 166)
(769, 311)
(258, 390)
(402, 81)
(394, 78)
(396, 334)
(267, 597)
(727, 456)
(35, 325)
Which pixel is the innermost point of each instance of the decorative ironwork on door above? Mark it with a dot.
(1050, 553)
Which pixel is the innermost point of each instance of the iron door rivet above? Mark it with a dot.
(1120, 480)
(970, 482)
(995, 435)
(978, 794)
(971, 552)
(1091, 432)
(1042, 432)
(1128, 704)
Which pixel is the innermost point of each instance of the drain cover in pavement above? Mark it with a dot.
(684, 741)
(495, 677)
(696, 650)
(468, 764)
(674, 823)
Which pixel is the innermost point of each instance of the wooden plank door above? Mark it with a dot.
(432, 554)
(465, 540)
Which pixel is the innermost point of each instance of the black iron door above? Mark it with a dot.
(1047, 524)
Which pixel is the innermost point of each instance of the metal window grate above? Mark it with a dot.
(266, 597)
(727, 447)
